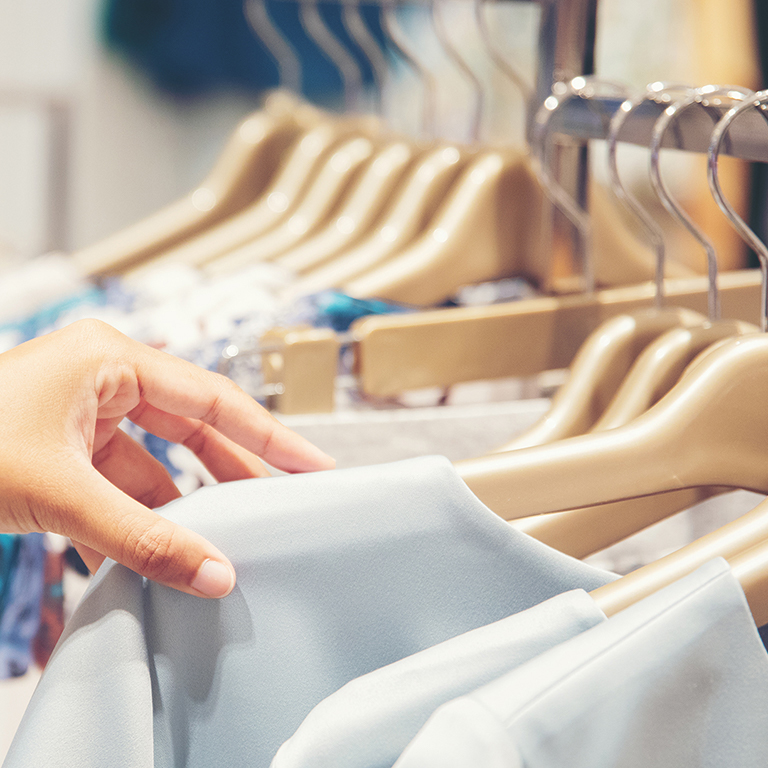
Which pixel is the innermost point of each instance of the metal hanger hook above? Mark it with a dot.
(581, 87)
(757, 101)
(279, 46)
(426, 79)
(632, 204)
(358, 30)
(335, 51)
(453, 53)
(699, 97)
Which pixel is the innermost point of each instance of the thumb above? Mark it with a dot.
(108, 522)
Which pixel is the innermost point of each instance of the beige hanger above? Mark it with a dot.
(439, 348)
(710, 429)
(730, 541)
(599, 369)
(481, 232)
(361, 211)
(321, 199)
(664, 361)
(408, 213)
(415, 200)
(297, 169)
(241, 172)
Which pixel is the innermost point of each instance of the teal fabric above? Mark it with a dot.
(679, 679)
(369, 721)
(339, 573)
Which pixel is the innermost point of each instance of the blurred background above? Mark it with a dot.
(111, 108)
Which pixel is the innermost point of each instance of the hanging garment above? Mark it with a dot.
(339, 573)
(369, 721)
(680, 678)
(21, 612)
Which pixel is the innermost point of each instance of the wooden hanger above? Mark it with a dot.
(380, 182)
(443, 347)
(490, 212)
(297, 169)
(408, 214)
(481, 232)
(733, 542)
(320, 200)
(241, 172)
(710, 429)
(416, 199)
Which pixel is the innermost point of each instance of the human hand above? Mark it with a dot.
(65, 466)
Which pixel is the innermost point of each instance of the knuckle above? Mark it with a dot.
(197, 440)
(154, 553)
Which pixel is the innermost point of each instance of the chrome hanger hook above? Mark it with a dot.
(699, 97)
(581, 87)
(277, 44)
(505, 67)
(401, 45)
(452, 52)
(757, 101)
(337, 54)
(358, 30)
(632, 204)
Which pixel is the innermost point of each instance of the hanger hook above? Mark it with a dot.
(277, 44)
(758, 100)
(399, 42)
(698, 96)
(358, 30)
(505, 67)
(582, 87)
(337, 54)
(631, 203)
(452, 52)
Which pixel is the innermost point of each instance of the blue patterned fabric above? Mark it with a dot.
(21, 611)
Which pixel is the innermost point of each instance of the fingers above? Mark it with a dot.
(224, 459)
(180, 388)
(105, 521)
(135, 472)
(90, 557)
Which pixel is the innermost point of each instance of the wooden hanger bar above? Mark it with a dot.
(518, 339)
(439, 348)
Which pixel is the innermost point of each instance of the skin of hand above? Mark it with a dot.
(66, 467)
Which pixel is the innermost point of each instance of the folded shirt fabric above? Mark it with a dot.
(339, 573)
(678, 679)
(369, 721)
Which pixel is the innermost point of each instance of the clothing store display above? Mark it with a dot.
(339, 574)
(680, 678)
(370, 720)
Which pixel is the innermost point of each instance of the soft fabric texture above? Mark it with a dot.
(369, 721)
(339, 573)
(679, 679)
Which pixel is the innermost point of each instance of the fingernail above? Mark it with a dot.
(213, 579)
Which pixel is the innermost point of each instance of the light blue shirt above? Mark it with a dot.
(369, 721)
(339, 574)
(678, 679)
